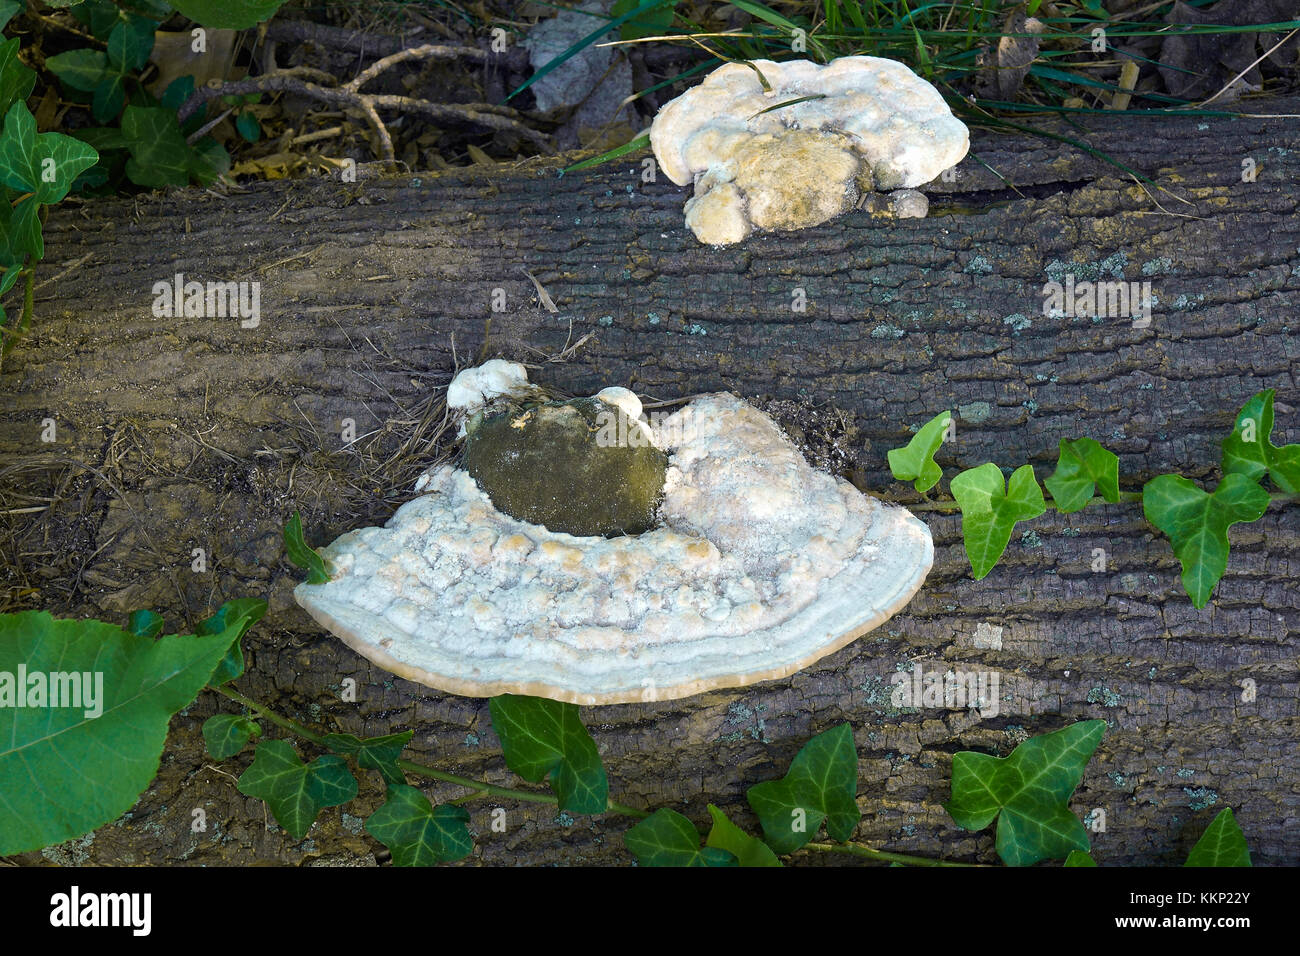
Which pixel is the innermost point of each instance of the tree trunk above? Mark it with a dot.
(176, 434)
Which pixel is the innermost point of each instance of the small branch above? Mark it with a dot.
(884, 856)
(430, 51)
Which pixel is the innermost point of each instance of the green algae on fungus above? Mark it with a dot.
(579, 467)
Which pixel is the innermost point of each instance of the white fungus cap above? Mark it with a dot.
(761, 565)
(474, 388)
(898, 122)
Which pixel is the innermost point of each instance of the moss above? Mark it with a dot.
(578, 467)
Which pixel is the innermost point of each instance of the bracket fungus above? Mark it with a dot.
(806, 149)
(755, 565)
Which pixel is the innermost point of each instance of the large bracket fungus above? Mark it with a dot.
(808, 148)
(756, 566)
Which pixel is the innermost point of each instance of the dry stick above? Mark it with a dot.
(368, 104)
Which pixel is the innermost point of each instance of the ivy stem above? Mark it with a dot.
(480, 788)
(1124, 496)
(883, 856)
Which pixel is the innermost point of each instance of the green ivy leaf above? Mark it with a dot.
(1249, 451)
(146, 623)
(373, 753)
(1222, 843)
(178, 91)
(915, 461)
(666, 838)
(540, 737)
(417, 833)
(43, 165)
(1197, 524)
(226, 734)
(160, 156)
(248, 127)
(227, 14)
(1028, 792)
(1080, 858)
(822, 784)
(65, 773)
(296, 792)
(301, 555)
(99, 16)
(1083, 466)
(80, 69)
(651, 23)
(990, 510)
(241, 613)
(8, 8)
(208, 160)
(16, 79)
(130, 43)
(10, 276)
(748, 850)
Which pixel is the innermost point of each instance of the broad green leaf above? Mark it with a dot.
(1028, 792)
(915, 461)
(1080, 858)
(16, 79)
(44, 164)
(989, 511)
(159, 154)
(540, 737)
(1222, 843)
(80, 69)
(301, 554)
(226, 734)
(748, 850)
(145, 623)
(100, 16)
(1082, 467)
(1197, 524)
(10, 276)
(109, 98)
(296, 792)
(227, 14)
(208, 160)
(666, 838)
(101, 137)
(178, 91)
(1249, 451)
(417, 833)
(8, 8)
(248, 127)
(69, 769)
(822, 784)
(241, 613)
(130, 43)
(652, 23)
(373, 753)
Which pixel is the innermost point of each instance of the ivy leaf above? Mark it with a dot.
(1248, 450)
(540, 737)
(417, 833)
(1222, 843)
(7, 10)
(296, 792)
(666, 838)
(208, 160)
(1082, 466)
(130, 43)
(748, 850)
(822, 784)
(43, 165)
(242, 613)
(68, 769)
(145, 623)
(1197, 524)
(159, 154)
(1080, 858)
(16, 79)
(226, 734)
(227, 14)
(1028, 792)
(100, 16)
(373, 753)
(651, 23)
(990, 510)
(301, 554)
(80, 69)
(915, 461)
(248, 126)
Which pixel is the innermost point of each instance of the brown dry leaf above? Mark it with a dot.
(174, 56)
(1006, 66)
(480, 158)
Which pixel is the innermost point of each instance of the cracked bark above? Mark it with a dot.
(209, 435)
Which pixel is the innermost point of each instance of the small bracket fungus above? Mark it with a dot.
(806, 150)
(756, 566)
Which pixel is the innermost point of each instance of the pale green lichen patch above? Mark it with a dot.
(579, 467)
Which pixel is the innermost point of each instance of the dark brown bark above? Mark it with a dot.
(205, 434)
